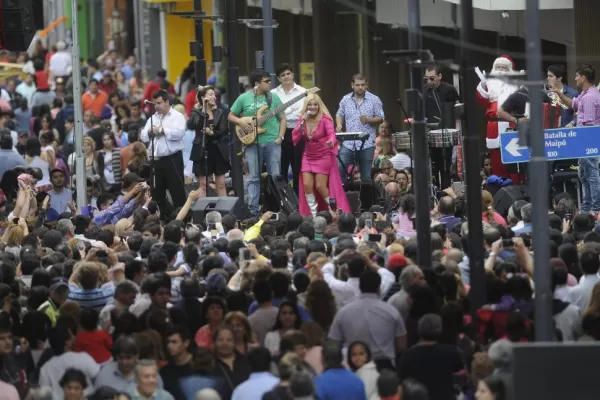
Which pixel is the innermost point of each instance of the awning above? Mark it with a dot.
(510, 5)
(166, 1)
(293, 6)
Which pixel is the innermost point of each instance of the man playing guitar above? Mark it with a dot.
(266, 148)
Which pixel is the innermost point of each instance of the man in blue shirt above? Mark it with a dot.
(261, 379)
(336, 382)
(556, 78)
(8, 157)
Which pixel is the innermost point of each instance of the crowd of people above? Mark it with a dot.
(132, 298)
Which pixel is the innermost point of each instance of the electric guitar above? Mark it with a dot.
(248, 137)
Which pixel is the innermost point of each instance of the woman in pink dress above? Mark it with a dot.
(320, 180)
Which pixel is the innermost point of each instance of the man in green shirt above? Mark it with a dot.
(267, 147)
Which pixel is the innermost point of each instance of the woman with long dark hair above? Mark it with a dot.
(212, 129)
(109, 163)
(320, 303)
(406, 214)
(287, 318)
(362, 364)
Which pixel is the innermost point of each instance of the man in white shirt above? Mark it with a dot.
(62, 342)
(60, 64)
(27, 88)
(165, 132)
(287, 90)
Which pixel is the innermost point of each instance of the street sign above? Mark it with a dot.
(560, 144)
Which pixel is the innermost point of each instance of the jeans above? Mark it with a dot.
(364, 158)
(590, 184)
(256, 155)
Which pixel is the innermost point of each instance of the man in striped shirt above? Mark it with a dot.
(83, 287)
(587, 106)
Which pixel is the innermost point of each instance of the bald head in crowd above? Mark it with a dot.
(235, 234)
(446, 206)
(392, 189)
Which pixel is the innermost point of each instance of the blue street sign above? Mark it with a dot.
(560, 144)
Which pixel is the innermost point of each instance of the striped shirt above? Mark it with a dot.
(587, 105)
(91, 298)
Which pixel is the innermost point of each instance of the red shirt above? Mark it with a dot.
(151, 88)
(190, 102)
(97, 344)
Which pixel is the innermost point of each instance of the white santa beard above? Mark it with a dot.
(500, 90)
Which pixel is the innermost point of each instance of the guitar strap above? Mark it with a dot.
(269, 99)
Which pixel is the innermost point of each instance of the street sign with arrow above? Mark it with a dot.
(560, 144)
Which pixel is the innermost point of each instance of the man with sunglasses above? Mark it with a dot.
(437, 95)
(267, 146)
(440, 98)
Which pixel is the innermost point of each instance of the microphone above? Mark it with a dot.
(149, 102)
(306, 114)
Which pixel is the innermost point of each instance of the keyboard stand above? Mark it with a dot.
(350, 177)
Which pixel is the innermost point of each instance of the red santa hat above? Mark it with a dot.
(505, 60)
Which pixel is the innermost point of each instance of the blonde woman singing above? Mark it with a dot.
(319, 179)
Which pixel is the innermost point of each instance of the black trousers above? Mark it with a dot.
(441, 165)
(168, 175)
(291, 155)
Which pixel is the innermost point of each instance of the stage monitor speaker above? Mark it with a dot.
(506, 196)
(224, 205)
(18, 24)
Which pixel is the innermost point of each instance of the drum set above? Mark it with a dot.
(439, 140)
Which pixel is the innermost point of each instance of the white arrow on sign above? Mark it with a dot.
(513, 147)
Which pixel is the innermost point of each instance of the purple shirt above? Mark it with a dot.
(116, 212)
(587, 105)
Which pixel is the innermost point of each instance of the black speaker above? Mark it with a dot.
(224, 205)
(506, 196)
(18, 24)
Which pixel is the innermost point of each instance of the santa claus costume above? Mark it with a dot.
(492, 93)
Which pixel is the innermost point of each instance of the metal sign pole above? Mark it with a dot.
(471, 159)
(233, 91)
(81, 183)
(538, 168)
(267, 10)
(422, 174)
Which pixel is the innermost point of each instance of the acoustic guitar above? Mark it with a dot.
(249, 137)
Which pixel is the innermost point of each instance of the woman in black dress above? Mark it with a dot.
(211, 120)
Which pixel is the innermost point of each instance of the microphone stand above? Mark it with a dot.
(412, 155)
(152, 165)
(204, 148)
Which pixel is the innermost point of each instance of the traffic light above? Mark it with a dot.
(17, 26)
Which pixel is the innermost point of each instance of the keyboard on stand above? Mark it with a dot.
(344, 136)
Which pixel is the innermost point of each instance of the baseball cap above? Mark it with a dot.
(24, 133)
(58, 283)
(52, 215)
(131, 179)
(56, 170)
(397, 261)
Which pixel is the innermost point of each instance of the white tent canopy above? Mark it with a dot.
(508, 5)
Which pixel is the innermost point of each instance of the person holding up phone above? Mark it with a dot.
(214, 227)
